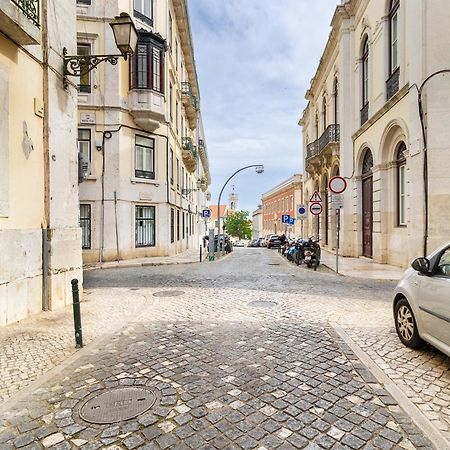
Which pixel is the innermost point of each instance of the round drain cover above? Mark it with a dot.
(168, 294)
(117, 404)
(263, 304)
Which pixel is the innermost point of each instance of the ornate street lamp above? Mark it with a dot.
(125, 35)
(188, 191)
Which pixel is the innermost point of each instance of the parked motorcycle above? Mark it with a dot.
(312, 253)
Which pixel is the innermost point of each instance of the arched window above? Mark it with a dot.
(393, 36)
(365, 72)
(401, 184)
(367, 165)
(324, 112)
(335, 101)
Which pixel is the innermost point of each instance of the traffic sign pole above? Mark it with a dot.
(338, 227)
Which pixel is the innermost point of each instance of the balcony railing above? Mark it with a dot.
(30, 8)
(201, 143)
(330, 136)
(187, 90)
(364, 114)
(188, 145)
(393, 84)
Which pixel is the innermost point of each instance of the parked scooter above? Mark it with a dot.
(312, 253)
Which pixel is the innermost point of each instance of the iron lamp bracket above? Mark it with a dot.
(77, 65)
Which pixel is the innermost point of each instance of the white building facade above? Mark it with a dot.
(140, 129)
(363, 122)
(40, 240)
(257, 223)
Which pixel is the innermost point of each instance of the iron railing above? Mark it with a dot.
(393, 84)
(330, 136)
(186, 89)
(364, 114)
(30, 8)
(187, 144)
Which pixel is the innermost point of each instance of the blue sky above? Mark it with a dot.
(255, 60)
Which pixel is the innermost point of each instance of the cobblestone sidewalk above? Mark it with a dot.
(32, 347)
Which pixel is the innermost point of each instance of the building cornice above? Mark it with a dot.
(295, 180)
(187, 43)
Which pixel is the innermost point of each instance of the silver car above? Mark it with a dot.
(422, 302)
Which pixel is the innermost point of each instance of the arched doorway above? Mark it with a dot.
(367, 204)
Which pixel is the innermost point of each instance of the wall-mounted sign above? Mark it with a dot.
(87, 118)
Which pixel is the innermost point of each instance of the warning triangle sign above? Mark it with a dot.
(315, 198)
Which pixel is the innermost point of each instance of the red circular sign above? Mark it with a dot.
(337, 185)
(316, 209)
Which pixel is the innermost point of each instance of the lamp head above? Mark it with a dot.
(259, 169)
(125, 34)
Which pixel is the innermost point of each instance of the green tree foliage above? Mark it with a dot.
(237, 224)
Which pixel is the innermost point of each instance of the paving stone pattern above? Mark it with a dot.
(218, 363)
(220, 385)
(32, 347)
(423, 375)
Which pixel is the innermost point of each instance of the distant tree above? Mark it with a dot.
(237, 224)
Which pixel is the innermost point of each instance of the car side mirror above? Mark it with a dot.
(421, 265)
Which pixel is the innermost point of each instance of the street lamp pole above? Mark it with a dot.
(259, 169)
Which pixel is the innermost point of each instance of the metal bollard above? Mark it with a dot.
(201, 248)
(77, 314)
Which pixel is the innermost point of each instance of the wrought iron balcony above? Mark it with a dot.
(30, 8)
(201, 144)
(187, 143)
(330, 136)
(393, 84)
(186, 90)
(365, 114)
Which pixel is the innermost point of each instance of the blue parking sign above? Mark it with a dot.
(286, 218)
(206, 213)
(292, 221)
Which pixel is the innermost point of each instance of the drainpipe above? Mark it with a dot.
(425, 156)
(107, 135)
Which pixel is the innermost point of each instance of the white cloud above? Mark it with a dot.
(255, 59)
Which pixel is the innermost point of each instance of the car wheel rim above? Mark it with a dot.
(405, 323)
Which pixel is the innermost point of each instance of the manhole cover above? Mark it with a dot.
(168, 293)
(263, 304)
(117, 405)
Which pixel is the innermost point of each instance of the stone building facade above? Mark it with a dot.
(363, 121)
(280, 200)
(140, 129)
(257, 223)
(40, 243)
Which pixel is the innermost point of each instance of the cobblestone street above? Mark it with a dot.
(248, 352)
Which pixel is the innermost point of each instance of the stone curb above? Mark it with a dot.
(134, 265)
(423, 423)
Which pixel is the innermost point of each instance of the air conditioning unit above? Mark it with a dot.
(84, 167)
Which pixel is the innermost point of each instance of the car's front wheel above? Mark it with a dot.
(405, 324)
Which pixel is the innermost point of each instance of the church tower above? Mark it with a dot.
(233, 201)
